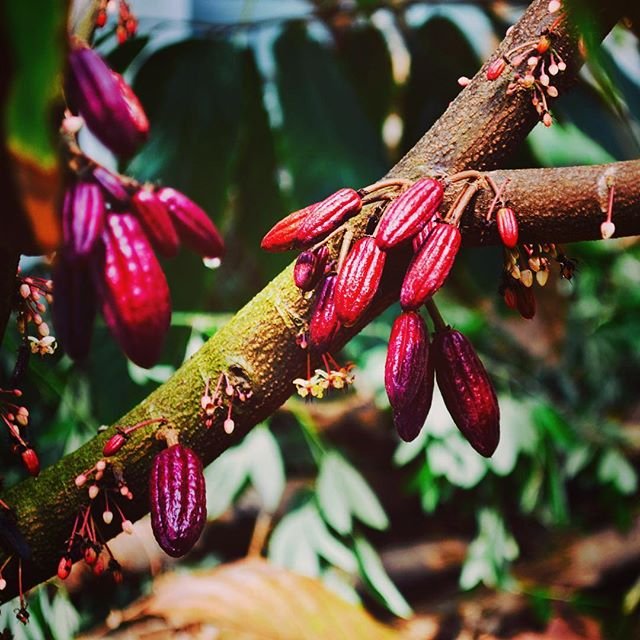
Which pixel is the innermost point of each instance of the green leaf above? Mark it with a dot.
(457, 461)
(615, 468)
(322, 119)
(408, 451)
(265, 466)
(225, 477)
(332, 500)
(374, 574)
(290, 545)
(548, 419)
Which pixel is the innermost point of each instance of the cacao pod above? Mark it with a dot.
(282, 236)
(507, 227)
(407, 356)
(178, 501)
(194, 227)
(409, 213)
(309, 268)
(324, 323)
(113, 187)
(430, 266)
(358, 280)
(467, 390)
(327, 215)
(83, 216)
(156, 221)
(525, 301)
(135, 298)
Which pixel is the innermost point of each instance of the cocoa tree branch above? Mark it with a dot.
(258, 345)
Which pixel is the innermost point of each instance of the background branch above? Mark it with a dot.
(480, 127)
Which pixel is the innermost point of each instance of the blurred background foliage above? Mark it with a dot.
(259, 107)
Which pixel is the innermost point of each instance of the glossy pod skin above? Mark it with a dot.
(282, 236)
(156, 221)
(135, 298)
(309, 268)
(177, 496)
(406, 361)
(409, 213)
(327, 215)
(83, 213)
(430, 266)
(358, 280)
(467, 390)
(507, 227)
(324, 323)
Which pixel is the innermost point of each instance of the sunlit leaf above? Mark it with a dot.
(265, 466)
(225, 477)
(615, 468)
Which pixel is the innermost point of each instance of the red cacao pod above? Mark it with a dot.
(410, 419)
(195, 228)
(282, 236)
(407, 356)
(409, 213)
(83, 216)
(135, 298)
(525, 301)
(495, 68)
(324, 323)
(156, 221)
(30, 461)
(74, 307)
(467, 390)
(420, 238)
(358, 280)
(114, 444)
(327, 215)
(430, 266)
(309, 268)
(507, 227)
(64, 567)
(112, 186)
(106, 102)
(177, 493)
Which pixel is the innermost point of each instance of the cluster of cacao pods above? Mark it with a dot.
(112, 227)
(177, 496)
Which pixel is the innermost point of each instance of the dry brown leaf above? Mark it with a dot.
(249, 599)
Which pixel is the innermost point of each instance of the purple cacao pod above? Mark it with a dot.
(410, 419)
(358, 280)
(113, 187)
(106, 102)
(74, 307)
(178, 501)
(156, 221)
(309, 268)
(135, 298)
(409, 213)
(324, 323)
(407, 356)
(195, 228)
(467, 390)
(83, 216)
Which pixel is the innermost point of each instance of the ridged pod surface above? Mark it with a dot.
(74, 306)
(467, 390)
(83, 214)
(154, 217)
(409, 213)
(324, 323)
(430, 266)
(194, 227)
(358, 280)
(407, 356)
(106, 102)
(282, 236)
(178, 500)
(410, 419)
(133, 290)
(507, 226)
(327, 215)
(309, 268)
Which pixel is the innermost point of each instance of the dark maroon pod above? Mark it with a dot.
(410, 418)
(309, 268)
(106, 102)
(193, 225)
(113, 187)
(324, 323)
(467, 390)
(136, 304)
(83, 214)
(407, 356)
(178, 499)
(74, 307)
(409, 213)
(156, 221)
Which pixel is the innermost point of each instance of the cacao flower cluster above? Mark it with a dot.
(113, 226)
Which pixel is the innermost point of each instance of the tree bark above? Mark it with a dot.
(259, 344)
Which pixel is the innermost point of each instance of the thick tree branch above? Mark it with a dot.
(258, 344)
